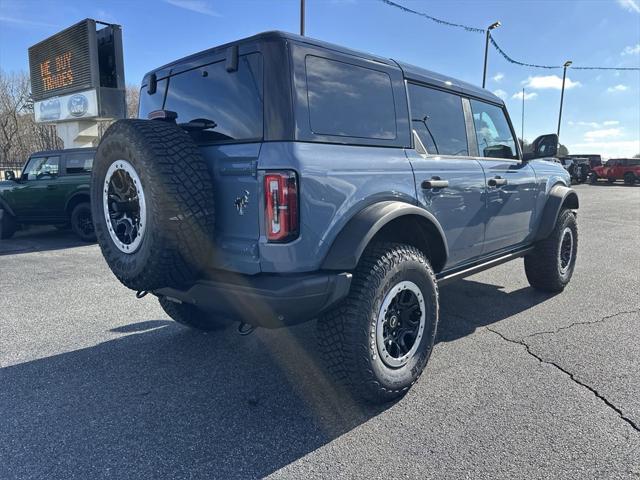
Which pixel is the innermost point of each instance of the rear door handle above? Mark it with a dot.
(434, 183)
(497, 182)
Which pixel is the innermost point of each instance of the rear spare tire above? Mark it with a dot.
(152, 204)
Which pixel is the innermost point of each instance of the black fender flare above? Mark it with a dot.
(559, 197)
(347, 248)
(72, 200)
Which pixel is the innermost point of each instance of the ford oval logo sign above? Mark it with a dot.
(78, 105)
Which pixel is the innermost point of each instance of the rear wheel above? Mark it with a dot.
(8, 226)
(550, 266)
(81, 222)
(629, 178)
(378, 341)
(190, 316)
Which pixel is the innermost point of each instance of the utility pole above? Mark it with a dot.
(522, 123)
(564, 76)
(486, 50)
(302, 18)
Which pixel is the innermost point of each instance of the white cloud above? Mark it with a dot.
(608, 149)
(630, 5)
(549, 81)
(631, 50)
(198, 6)
(500, 93)
(617, 88)
(582, 123)
(23, 22)
(499, 76)
(527, 96)
(593, 135)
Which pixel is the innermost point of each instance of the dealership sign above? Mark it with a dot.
(74, 106)
(78, 73)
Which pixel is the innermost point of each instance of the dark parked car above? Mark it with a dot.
(281, 179)
(53, 189)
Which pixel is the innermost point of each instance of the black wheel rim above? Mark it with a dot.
(85, 224)
(400, 325)
(565, 253)
(124, 206)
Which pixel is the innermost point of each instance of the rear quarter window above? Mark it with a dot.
(349, 100)
(78, 164)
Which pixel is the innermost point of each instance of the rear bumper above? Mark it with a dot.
(266, 300)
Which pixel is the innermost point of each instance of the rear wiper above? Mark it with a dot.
(198, 124)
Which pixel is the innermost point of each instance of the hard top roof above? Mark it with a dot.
(411, 72)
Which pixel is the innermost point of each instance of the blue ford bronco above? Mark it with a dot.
(279, 179)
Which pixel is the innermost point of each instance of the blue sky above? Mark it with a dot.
(601, 112)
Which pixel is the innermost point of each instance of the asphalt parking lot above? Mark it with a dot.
(97, 384)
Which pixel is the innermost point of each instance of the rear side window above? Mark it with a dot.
(495, 139)
(233, 100)
(349, 101)
(79, 163)
(438, 119)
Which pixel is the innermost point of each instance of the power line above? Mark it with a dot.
(495, 44)
(434, 19)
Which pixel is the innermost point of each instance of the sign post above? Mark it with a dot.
(77, 79)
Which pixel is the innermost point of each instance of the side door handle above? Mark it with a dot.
(51, 187)
(497, 182)
(434, 183)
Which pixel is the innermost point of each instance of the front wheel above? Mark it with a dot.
(81, 222)
(378, 341)
(8, 226)
(629, 178)
(550, 265)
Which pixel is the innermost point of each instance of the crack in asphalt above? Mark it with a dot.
(608, 317)
(571, 376)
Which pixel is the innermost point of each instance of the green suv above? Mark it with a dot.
(53, 189)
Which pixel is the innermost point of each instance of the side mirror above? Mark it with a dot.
(543, 146)
(9, 175)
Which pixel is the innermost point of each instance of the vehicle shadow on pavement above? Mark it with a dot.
(164, 401)
(467, 305)
(40, 239)
(167, 402)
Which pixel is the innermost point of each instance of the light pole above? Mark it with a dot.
(486, 50)
(302, 18)
(564, 76)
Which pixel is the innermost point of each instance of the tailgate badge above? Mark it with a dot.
(241, 202)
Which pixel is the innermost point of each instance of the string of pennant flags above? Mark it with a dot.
(470, 29)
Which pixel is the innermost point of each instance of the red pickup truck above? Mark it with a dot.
(627, 169)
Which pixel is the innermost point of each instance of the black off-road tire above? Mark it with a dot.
(8, 227)
(629, 178)
(192, 317)
(179, 197)
(345, 333)
(593, 178)
(543, 266)
(81, 222)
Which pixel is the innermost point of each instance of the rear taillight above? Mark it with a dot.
(281, 206)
